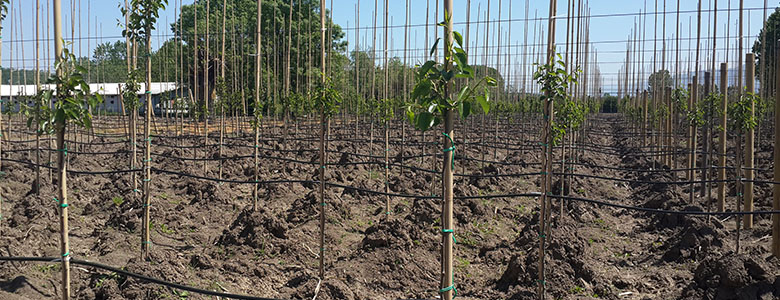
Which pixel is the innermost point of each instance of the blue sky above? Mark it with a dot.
(610, 27)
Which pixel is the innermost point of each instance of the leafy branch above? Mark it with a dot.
(431, 97)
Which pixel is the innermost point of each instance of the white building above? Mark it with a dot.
(109, 91)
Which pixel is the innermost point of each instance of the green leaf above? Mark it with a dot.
(424, 120)
(426, 67)
(464, 109)
(491, 81)
(421, 89)
(435, 44)
(483, 101)
(458, 38)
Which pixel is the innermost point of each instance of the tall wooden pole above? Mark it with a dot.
(224, 85)
(62, 189)
(448, 235)
(548, 150)
(206, 92)
(258, 62)
(724, 82)
(148, 146)
(750, 77)
(323, 125)
(776, 187)
(37, 184)
(386, 120)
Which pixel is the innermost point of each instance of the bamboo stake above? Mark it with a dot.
(206, 92)
(386, 120)
(323, 126)
(776, 159)
(258, 82)
(224, 82)
(547, 156)
(448, 278)
(148, 147)
(37, 184)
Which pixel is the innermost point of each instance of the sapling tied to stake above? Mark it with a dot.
(72, 104)
(554, 81)
(142, 15)
(326, 101)
(741, 119)
(433, 104)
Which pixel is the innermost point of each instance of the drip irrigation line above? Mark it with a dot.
(642, 181)
(134, 275)
(74, 172)
(664, 211)
(69, 151)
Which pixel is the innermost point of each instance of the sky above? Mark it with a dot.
(611, 24)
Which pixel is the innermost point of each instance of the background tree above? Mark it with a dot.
(770, 34)
(659, 81)
(242, 14)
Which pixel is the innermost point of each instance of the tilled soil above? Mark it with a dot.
(206, 235)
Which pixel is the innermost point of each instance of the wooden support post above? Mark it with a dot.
(750, 77)
(447, 288)
(776, 187)
(62, 188)
(724, 79)
(644, 118)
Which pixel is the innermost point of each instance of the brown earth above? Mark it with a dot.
(206, 235)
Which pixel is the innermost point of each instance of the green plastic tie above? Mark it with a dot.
(136, 191)
(323, 203)
(453, 234)
(452, 287)
(63, 205)
(450, 149)
(147, 139)
(64, 150)
(146, 242)
(739, 195)
(146, 160)
(542, 282)
(147, 205)
(66, 254)
(147, 180)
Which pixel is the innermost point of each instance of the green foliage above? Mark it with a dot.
(741, 115)
(767, 52)
(73, 96)
(710, 108)
(431, 93)
(298, 105)
(555, 80)
(680, 99)
(568, 118)
(118, 200)
(659, 81)
(3, 11)
(327, 99)
(228, 100)
(142, 15)
(130, 91)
